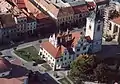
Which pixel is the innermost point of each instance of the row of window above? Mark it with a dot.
(63, 59)
(84, 48)
(71, 17)
(17, 30)
(22, 20)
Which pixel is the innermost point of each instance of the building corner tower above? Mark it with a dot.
(94, 29)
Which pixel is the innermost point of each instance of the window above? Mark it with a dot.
(84, 48)
(65, 58)
(69, 57)
(115, 29)
(65, 53)
(57, 60)
(98, 28)
(61, 59)
(40, 53)
(80, 15)
(90, 27)
(78, 49)
(110, 26)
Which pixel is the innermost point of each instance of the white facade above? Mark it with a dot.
(94, 29)
(48, 57)
(114, 31)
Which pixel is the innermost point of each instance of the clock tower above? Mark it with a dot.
(94, 29)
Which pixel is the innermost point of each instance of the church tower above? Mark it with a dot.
(94, 29)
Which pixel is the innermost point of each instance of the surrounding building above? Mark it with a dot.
(44, 23)
(4, 6)
(66, 13)
(114, 29)
(5, 67)
(14, 24)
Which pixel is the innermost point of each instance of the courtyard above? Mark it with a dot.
(28, 53)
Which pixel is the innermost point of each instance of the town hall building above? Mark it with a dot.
(62, 48)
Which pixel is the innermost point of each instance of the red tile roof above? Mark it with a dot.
(57, 12)
(19, 3)
(80, 9)
(32, 9)
(116, 20)
(77, 37)
(10, 81)
(56, 52)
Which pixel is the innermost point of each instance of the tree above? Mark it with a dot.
(82, 66)
(101, 72)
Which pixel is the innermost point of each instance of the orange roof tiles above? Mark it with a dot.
(77, 37)
(55, 52)
(116, 20)
(31, 7)
(80, 9)
(65, 11)
(57, 12)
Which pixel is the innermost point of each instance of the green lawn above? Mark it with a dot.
(64, 81)
(28, 54)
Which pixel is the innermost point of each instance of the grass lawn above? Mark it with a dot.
(64, 81)
(28, 54)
